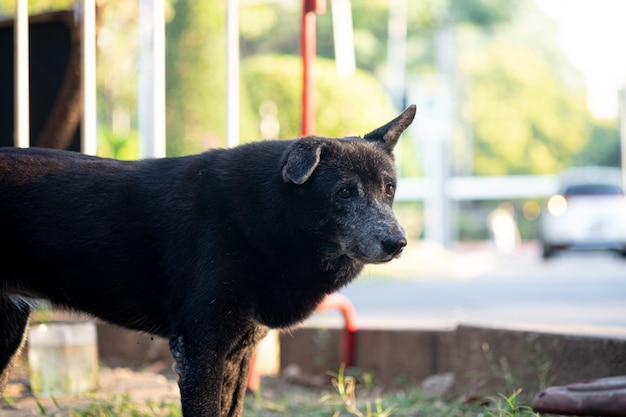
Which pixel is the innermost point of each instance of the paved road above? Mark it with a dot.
(572, 290)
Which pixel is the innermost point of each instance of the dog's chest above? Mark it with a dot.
(290, 295)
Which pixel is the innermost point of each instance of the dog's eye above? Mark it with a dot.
(345, 193)
(390, 190)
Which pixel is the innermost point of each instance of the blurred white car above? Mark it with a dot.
(589, 212)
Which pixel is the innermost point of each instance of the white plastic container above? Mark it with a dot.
(63, 358)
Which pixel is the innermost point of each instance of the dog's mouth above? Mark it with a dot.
(383, 254)
(384, 260)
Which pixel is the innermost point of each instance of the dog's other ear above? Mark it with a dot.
(389, 134)
(302, 159)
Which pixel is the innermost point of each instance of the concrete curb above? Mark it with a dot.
(483, 359)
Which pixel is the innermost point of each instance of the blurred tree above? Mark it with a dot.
(603, 146)
(345, 106)
(7, 7)
(195, 71)
(196, 78)
(525, 120)
(528, 105)
(117, 80)
(523, 97)
(275, 28)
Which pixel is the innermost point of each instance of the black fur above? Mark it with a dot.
(208, 250)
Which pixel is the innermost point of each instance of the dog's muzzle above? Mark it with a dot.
(394, 245)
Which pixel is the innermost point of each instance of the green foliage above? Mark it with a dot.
(525, 120)
(524, 98)
(344, 106)
(603, 147)
(195, 68)
(117, 79)
(528, 105)
(9, 400)
(275, 28)
(118, 146)
(482, 13)
(39, 6)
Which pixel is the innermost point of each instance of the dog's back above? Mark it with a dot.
(75, 231)
(121, 239)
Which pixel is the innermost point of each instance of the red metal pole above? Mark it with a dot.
(308, 51)
(342, 303)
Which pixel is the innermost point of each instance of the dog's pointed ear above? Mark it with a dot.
(389, 134)
(303, 157)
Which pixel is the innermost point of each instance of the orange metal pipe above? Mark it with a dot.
(342, 303)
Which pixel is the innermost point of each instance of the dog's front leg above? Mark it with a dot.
(236, 370)
(213, 374)
(200, 368)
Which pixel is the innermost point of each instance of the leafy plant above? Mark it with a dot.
(8, 399)
(509, 407)
(345, 398)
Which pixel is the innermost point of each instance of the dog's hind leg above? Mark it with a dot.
(14, 314)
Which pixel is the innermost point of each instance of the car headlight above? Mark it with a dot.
(557, 205)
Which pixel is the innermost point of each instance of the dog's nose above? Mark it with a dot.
(395, 245)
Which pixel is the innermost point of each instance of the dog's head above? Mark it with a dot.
(347, 187)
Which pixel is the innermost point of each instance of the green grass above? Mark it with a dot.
(116, 406)
(349, 396)
(406, 403)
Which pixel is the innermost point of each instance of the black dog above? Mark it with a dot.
(208, 250)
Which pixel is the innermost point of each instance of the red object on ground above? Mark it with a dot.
(254, 377)
(331, 302)
(597, 397)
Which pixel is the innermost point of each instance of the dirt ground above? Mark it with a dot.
(155, 383)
